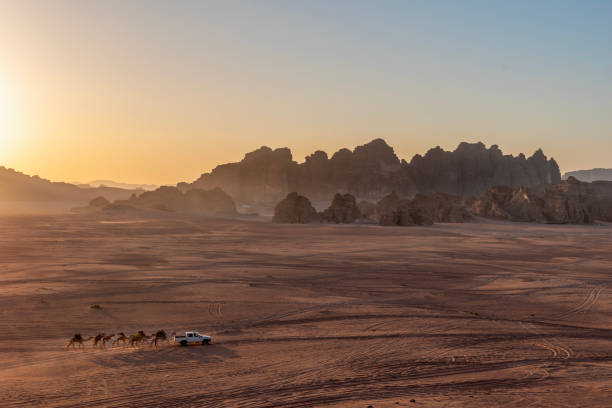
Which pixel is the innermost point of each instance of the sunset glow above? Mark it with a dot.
(321, 203)
(6, 115)
(105, 85)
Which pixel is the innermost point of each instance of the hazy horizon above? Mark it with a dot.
(159, 92)
(296, 159)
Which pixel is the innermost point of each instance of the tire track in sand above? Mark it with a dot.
(558, 350)
(585, 305)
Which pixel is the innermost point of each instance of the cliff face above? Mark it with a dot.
(472, 169)
(373, 170)
(567, 202)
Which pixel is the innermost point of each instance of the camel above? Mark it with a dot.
(159, 336)
(122, 338)
(97, 339)
(136, 339)
(78, 339)
(106, 339)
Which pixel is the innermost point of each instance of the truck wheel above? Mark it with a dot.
(183, 343)
(206, 342)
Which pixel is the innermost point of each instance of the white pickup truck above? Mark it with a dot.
(192, 337)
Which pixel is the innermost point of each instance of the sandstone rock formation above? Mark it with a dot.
(442, 207)
(567, 202)
(391, 210)
(367, 209)
(343, 210)
(214, 201)
(372, 170)
(295, 209)
(99, 202)
(506, 203)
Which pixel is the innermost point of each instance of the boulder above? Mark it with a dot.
(99, 202)
(387, 209)
(343, 210)
(390, 210)
(295, 209)
(215, 201)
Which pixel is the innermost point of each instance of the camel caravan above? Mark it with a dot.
(101, 340)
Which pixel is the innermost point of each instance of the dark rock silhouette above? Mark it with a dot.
(367, 209)
(214, 201)
(442, 207)
(393, 211)
(99, 202)
(372, 170)
(295, 209)
(343, 210)
(387, 209)
(567, 202)
(506, 203)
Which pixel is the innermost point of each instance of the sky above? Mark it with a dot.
(161, 91)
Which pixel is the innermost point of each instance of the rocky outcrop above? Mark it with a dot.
(472, 169)
(264, 175)
(367, 210)
(390, 210)
(441, 207)
(343, 210)
(295, 209)
(600, 200)
(387, 209)
(372, 170)
(506, 203)
(567, 202)
(214, 201)
(99, 202)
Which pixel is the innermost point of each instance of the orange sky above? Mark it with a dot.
(149, 92)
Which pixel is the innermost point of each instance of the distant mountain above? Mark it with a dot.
(373, 170)
(16, 186)
(125, 186)
(590, 175)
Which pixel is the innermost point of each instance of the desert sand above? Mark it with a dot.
(480, 314)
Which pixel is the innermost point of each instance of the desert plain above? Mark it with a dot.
(480, 314)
